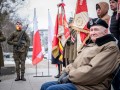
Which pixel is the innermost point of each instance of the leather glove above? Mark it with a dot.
(61, 77)
(66, 80)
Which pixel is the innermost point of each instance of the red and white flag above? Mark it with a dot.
(37, 48)
(55, 41)
(61, 33)
(80, 21)
(63, 29)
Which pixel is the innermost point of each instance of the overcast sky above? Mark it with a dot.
(42, 7)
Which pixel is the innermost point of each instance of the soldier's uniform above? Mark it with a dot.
(70, 49)
(73, 47)
(19, 51)
(2, 38)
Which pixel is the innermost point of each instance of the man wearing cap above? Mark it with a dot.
(93, 67)
(20, 41)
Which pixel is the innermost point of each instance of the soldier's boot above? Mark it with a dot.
(59, 71)
(18, 77)
(23, 78)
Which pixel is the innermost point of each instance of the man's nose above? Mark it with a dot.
(92, 32)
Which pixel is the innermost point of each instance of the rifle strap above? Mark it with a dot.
(21, 35)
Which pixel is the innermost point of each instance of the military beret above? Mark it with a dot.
(97, 21)
(115, 0)
(18, 22)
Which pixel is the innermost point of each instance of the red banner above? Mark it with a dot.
(63, 29)
(80, 21)
(61, 33)
(55, 49)
(81, 6)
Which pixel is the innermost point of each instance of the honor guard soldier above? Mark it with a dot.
(21, 42)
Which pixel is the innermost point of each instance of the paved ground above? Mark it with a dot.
(33, 82)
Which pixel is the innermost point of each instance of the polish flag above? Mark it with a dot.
(37, 48)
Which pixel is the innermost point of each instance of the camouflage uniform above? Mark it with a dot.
(19, 50)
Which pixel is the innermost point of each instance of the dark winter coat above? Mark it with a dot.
(13, 39)
(115, 27)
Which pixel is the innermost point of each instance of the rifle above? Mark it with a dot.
(21, 43)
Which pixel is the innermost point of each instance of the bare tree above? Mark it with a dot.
(8, 9)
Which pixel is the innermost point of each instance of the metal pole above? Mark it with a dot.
(36, 69)
(42, 72)
(48, 67)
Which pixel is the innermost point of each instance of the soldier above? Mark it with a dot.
(70, 49)
(2, 38)
(73, 45)
(21, 42)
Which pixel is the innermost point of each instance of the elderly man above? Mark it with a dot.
(94, 65)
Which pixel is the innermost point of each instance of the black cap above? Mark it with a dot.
(18, 22)
(115, 0)
(97, 21)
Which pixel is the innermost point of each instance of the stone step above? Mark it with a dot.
(8, 70)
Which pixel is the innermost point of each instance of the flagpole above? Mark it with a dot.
(37, 42)
(48, 58)
(36, 69)
(48, 39)
(48, 67)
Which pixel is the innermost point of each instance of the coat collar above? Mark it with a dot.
(105, 39)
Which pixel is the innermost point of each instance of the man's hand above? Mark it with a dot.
(61, 77)
(66, 80)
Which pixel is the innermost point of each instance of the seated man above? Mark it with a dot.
(94, 65)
